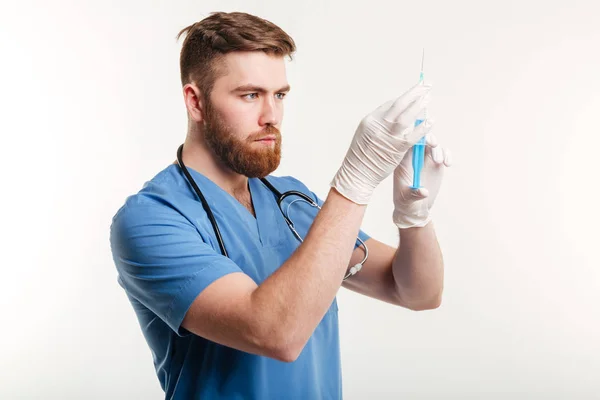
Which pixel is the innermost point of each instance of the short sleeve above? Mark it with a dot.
(162, 260)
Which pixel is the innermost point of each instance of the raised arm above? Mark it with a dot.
(278, 317)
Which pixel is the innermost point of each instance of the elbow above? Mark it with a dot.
(431, 305)
(284, 352)
(424, 304)
(283, 346)
(290, 347)
(278, 336)
(287, 355)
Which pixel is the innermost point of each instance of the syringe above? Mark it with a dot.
(418, 156)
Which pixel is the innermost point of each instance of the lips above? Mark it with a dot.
(270, 137)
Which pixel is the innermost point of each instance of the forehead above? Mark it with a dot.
(252, 67)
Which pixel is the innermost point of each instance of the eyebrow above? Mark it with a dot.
(255, 88)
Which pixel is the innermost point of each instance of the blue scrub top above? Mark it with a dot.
(166, 253)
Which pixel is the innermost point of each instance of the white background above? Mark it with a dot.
(91, 108)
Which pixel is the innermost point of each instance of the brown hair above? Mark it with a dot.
(208, 40)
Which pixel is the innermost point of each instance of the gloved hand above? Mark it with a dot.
(412, 207)
(380, 142)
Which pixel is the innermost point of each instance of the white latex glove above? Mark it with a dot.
(380, 142)
(412, 207)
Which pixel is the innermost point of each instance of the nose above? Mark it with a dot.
(270, 113)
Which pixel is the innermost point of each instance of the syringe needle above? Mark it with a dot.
(422, 64)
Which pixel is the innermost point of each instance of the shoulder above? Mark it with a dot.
(156, 201)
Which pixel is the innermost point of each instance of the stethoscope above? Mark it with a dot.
(279, 197)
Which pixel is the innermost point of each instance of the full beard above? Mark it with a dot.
(239, 155)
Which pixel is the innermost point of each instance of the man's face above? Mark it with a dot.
(245, 111)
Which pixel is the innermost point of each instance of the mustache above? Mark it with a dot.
(268, 131)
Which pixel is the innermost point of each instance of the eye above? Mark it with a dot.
(281, 95)
(250, 94)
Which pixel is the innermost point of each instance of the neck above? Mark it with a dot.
(197, 156)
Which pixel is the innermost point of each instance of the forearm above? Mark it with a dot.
(296, 297)
(418, 268)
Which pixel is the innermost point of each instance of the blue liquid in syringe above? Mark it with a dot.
(418, 158)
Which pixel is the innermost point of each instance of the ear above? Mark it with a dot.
(193, 102)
